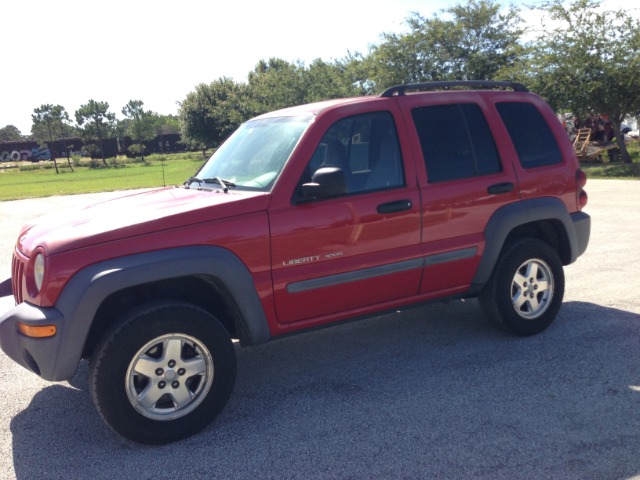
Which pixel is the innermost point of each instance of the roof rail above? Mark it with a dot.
(479, 84)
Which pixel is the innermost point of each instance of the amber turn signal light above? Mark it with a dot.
(37, 331)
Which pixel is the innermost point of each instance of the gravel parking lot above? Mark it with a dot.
(432, 392)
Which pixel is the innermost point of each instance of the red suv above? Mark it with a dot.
(304, 217)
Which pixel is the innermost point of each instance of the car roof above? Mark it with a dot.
(427, 88)
(316, 107)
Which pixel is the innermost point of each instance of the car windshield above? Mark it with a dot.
(253, 156)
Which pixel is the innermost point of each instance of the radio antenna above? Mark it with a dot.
(164, 182)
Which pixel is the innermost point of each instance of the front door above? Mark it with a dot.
(335, 256)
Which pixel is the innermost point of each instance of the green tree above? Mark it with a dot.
(324, 80)
(55, 122)
(51, 122)
(166, 124)
(212, 112)
(10, 133)
(587, 60)
(471, 41)
(357, 68)
(275, 84)
(97, 123)
(141, 125)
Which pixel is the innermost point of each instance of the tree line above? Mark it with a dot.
(581, 58)
(95, 123)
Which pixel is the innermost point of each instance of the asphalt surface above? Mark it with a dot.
(431, 392)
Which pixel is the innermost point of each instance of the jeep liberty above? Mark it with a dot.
(304, 217)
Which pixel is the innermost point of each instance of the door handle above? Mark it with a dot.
(500, 188)
(393, 207)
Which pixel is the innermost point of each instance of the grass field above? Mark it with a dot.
(603, 169)
(32, 180)
(40, 179)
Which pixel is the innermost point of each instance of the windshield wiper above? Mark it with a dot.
(225, 184)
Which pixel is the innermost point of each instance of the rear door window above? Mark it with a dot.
(456, 142)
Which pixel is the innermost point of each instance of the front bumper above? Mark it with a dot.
(39, 355)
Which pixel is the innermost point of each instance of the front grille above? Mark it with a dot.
(17, 276)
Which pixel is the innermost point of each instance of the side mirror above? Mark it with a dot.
(326, 182)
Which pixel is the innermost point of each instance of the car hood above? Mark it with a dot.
(135, 214)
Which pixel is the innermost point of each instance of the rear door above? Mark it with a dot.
(465, 176)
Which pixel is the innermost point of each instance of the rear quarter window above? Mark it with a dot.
(531, 135)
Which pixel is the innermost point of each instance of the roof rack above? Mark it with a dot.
(479, 84)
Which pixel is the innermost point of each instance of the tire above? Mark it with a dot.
(525, 291)
(164, 373)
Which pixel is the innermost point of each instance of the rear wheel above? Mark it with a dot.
(164, 373)
(525, 291)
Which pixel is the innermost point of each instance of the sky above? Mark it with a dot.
(68, 52)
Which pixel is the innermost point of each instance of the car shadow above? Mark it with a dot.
(429, 392)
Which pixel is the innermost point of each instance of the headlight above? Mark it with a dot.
(38, 271)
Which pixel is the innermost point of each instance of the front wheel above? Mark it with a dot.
(164, 373)
(525, 291)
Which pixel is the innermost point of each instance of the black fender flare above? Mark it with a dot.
(576, 228)
(87, 289)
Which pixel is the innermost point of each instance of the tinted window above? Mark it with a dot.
(531, 136)
(456, 142)
(365, 147)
